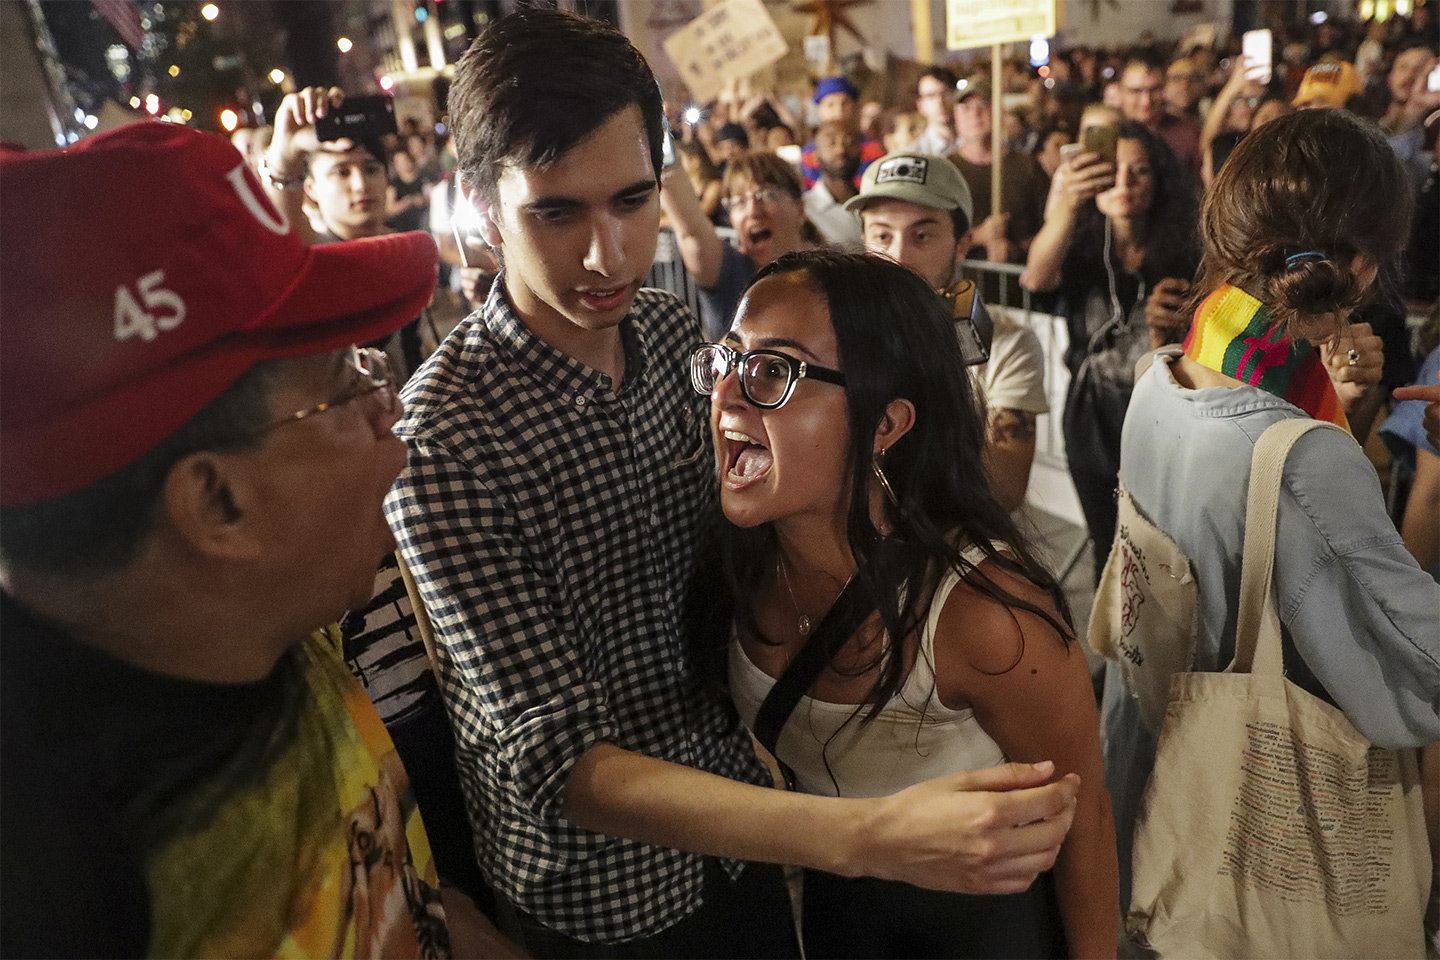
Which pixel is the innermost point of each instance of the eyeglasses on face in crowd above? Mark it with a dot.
(767, 377)
(765, 195)
(372, 377)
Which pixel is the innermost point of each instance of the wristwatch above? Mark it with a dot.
(275, 180)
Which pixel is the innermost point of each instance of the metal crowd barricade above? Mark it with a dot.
(668, 271)
(1054, 335)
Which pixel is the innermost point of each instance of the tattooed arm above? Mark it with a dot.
(1009, 452)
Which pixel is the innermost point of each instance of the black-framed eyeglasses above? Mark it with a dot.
(372, 375)
(767, 377)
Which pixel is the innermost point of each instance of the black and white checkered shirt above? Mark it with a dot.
(552, 523)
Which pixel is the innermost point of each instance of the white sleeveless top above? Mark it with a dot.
(913, 739)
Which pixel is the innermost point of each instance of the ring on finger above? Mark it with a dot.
(1352, 358)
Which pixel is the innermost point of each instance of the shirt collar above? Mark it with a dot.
(568, 376)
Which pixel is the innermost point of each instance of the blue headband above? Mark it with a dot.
(1294, 258)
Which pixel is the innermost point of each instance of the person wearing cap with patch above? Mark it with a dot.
(837, 101)
(558, 510)
(193, 458)
(916, 210)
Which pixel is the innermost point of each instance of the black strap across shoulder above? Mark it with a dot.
(852, 608)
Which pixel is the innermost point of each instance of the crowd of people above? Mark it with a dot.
(598, 626)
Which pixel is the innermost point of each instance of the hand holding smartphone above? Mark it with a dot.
(1101, 140)
(1255, 53)
(360, 119)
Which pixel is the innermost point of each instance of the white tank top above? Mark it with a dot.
(913, 739)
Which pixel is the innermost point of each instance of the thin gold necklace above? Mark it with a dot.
(804, 624)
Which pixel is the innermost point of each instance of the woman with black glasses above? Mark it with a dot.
(849, 453)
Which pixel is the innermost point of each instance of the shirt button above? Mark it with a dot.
(579, 401)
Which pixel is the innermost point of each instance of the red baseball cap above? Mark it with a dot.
(144, 271)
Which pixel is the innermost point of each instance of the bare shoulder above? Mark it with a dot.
(981, 636)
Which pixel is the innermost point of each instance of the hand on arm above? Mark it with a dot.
(287, 157)
(987, 831)
(982, 832)
(1031, 692)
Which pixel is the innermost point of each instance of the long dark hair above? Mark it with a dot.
(1171, 247)
(897, 339)
(1284, 191)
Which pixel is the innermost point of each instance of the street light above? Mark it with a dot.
(174, 70)
(229, 119)
(344, 44)
(277, 76)
(152, 104)
(209, 11)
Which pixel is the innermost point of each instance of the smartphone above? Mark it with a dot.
(358, 119)
(1432, 82)
(1069, 151)
(1101, 139)
(1255, 47)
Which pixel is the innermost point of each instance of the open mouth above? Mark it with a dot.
(757, 235)
(746, 459)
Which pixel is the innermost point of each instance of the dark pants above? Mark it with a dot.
(745, 917)
(865, 917)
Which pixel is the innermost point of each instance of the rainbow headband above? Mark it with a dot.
(1232, 334)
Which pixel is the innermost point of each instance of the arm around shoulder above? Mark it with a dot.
(989, 831)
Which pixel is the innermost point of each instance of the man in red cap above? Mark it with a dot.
(193, 458)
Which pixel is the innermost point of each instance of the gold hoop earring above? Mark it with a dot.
(884, 480)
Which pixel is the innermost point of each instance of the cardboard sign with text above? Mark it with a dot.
(982, 23)
(731, 40)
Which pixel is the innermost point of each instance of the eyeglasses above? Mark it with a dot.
(765, 195)
(372, 376)
(767, 377)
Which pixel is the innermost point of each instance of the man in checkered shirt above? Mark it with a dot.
(559, 491)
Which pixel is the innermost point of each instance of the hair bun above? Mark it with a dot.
(1315, 287)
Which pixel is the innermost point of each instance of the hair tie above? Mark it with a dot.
(1291, 260)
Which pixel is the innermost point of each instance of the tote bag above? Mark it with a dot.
(1270, 826)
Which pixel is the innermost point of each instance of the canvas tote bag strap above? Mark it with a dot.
(1257, 650)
